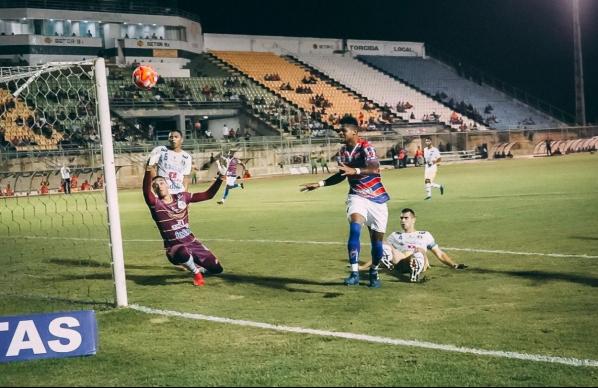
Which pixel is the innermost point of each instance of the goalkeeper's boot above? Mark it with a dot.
(427, 198)
(221, 202)
(242, 185)
(198, 279)
(353, 279)
(441, 189)
(374, 279)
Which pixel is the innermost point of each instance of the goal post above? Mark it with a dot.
(58, 244)
(116, 243)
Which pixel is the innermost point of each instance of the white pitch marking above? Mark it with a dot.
(373, 339)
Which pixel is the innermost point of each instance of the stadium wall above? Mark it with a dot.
(287, 157)
(282, 45)
(378, 47)
(277, 44)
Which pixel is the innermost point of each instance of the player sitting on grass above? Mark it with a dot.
(407, 250)
(171, 214)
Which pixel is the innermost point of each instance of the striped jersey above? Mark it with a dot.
(368, 186)
(173, 166)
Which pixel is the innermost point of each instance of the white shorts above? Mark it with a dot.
(230, 180)
(375, 214)
(430, 172)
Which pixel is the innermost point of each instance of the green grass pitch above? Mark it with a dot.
(534, 304)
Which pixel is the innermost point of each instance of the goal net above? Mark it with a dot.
(59, 223)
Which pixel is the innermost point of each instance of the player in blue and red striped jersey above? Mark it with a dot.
(366, 203)
(171, 214)
(231, 165)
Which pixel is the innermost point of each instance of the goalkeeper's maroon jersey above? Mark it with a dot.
(172, 219)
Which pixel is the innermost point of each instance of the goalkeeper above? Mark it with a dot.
(171, 214)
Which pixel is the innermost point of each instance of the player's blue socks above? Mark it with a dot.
(354, 245)
(377, 252)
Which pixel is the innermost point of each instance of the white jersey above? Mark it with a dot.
(408, 241)
(65, 173)
(173, 166)
(431, 155)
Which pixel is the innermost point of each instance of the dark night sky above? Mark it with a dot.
(527, 43)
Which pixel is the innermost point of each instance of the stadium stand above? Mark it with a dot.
(212, 84)
(494, 108)
(383, 89)
(303, 88)
(23, 128)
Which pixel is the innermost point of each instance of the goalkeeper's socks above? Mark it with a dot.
(354, 245)
(190, 265)
(436, 185)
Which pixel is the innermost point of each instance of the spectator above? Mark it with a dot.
(402, 158)
(99, 183)
(225, 132)
(8, 192)
(43, 188)
(324, 163)
(314, 164)
(65, 173)
(85, 186)
(75, 182)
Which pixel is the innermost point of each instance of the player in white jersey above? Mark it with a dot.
(172, 163)
(408, 249)
(432, 158)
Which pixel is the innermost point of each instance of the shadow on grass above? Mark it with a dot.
(281, 283)
(278, 283)
(585, 238)
(541, 276)
(96, 264)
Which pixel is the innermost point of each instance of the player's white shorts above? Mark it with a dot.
(430, 172)
(230, 180)
(375, 214)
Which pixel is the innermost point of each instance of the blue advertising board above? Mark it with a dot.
(55, 335)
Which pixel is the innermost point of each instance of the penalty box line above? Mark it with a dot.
(307, 242)
(372, 339)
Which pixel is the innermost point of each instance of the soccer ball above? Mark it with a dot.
(145, 77)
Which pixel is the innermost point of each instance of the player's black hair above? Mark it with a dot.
(408, 210)
(157, 177)
(349, 120)
(177, 130)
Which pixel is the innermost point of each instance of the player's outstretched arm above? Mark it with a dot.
(372, 167)
(333, 180)
(148, 195)
(446, 259)
(210, 192)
